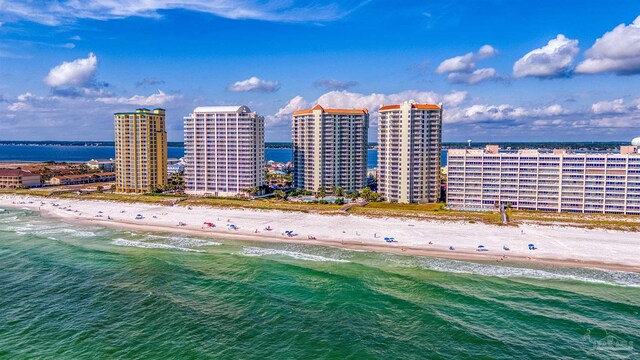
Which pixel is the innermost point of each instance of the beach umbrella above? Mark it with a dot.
(531, 245)
(480, 246)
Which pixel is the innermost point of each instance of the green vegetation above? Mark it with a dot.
(370, 195)
(280, 195)
(175, 182)
(373, 209)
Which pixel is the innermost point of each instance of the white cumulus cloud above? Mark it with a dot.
(550, 61)
(474, 77)
(350, 100)
(254, 84)
(609, 107)
(463, 69)
(296, 103)
(486, 51)
(157, 99)
(78, 72)
(458, 63)
(617, 51)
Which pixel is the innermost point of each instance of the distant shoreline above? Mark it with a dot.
(588, 145)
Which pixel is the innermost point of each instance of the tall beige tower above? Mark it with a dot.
(224, 151)
(141, 150)
(409, 145)
(330, 148)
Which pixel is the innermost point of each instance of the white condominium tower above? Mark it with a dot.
(409, 143)
(330, 148)
(141, 150)
(224, 150)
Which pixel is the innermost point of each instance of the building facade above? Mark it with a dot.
(141, 150)
(409, 145)
(224, 151)
(17, 178)
(545, 181)
(330, 148)
(102, 164)
(83, 178)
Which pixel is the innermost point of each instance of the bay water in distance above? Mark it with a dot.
(75, 153)
(70, 291)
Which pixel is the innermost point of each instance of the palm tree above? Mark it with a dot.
(338, 191)
(279, 194)
(321, 193)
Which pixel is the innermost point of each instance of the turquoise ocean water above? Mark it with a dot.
(87, 292)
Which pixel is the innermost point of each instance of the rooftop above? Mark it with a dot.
(332, 111)
(413, 105)
(83, 176)
(495, 150)
(15, 172)
(222, 109)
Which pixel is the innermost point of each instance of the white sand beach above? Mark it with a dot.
(554, 244)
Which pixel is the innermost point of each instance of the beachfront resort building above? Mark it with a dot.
(409, 145)
(224, 151)
(83, 178)
(18, 178)
(108, 165)
(330, 148)
(557, 180)
(141, 150)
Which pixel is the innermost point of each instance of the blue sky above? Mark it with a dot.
(504, 70)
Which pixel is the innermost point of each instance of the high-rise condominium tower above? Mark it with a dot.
(409, 144)
(224, 151)
(141, 150)
(330, 148)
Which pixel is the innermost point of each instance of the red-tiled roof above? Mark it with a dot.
(415, 106)
(83, 176)
(15, 172)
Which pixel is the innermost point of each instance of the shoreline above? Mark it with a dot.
(412, 240)
(361, 246)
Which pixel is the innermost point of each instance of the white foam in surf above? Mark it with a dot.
(185, 241)
(609, 277)
(146, 245)
(254, 251)
(79, 233)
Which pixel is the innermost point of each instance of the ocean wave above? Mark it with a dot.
(255, 251)
(9, 219)
(600, 276)
(146, 245)
(184, 241)
(21, 229)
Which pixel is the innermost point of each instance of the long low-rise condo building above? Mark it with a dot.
(558, 180)
(17, 178)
